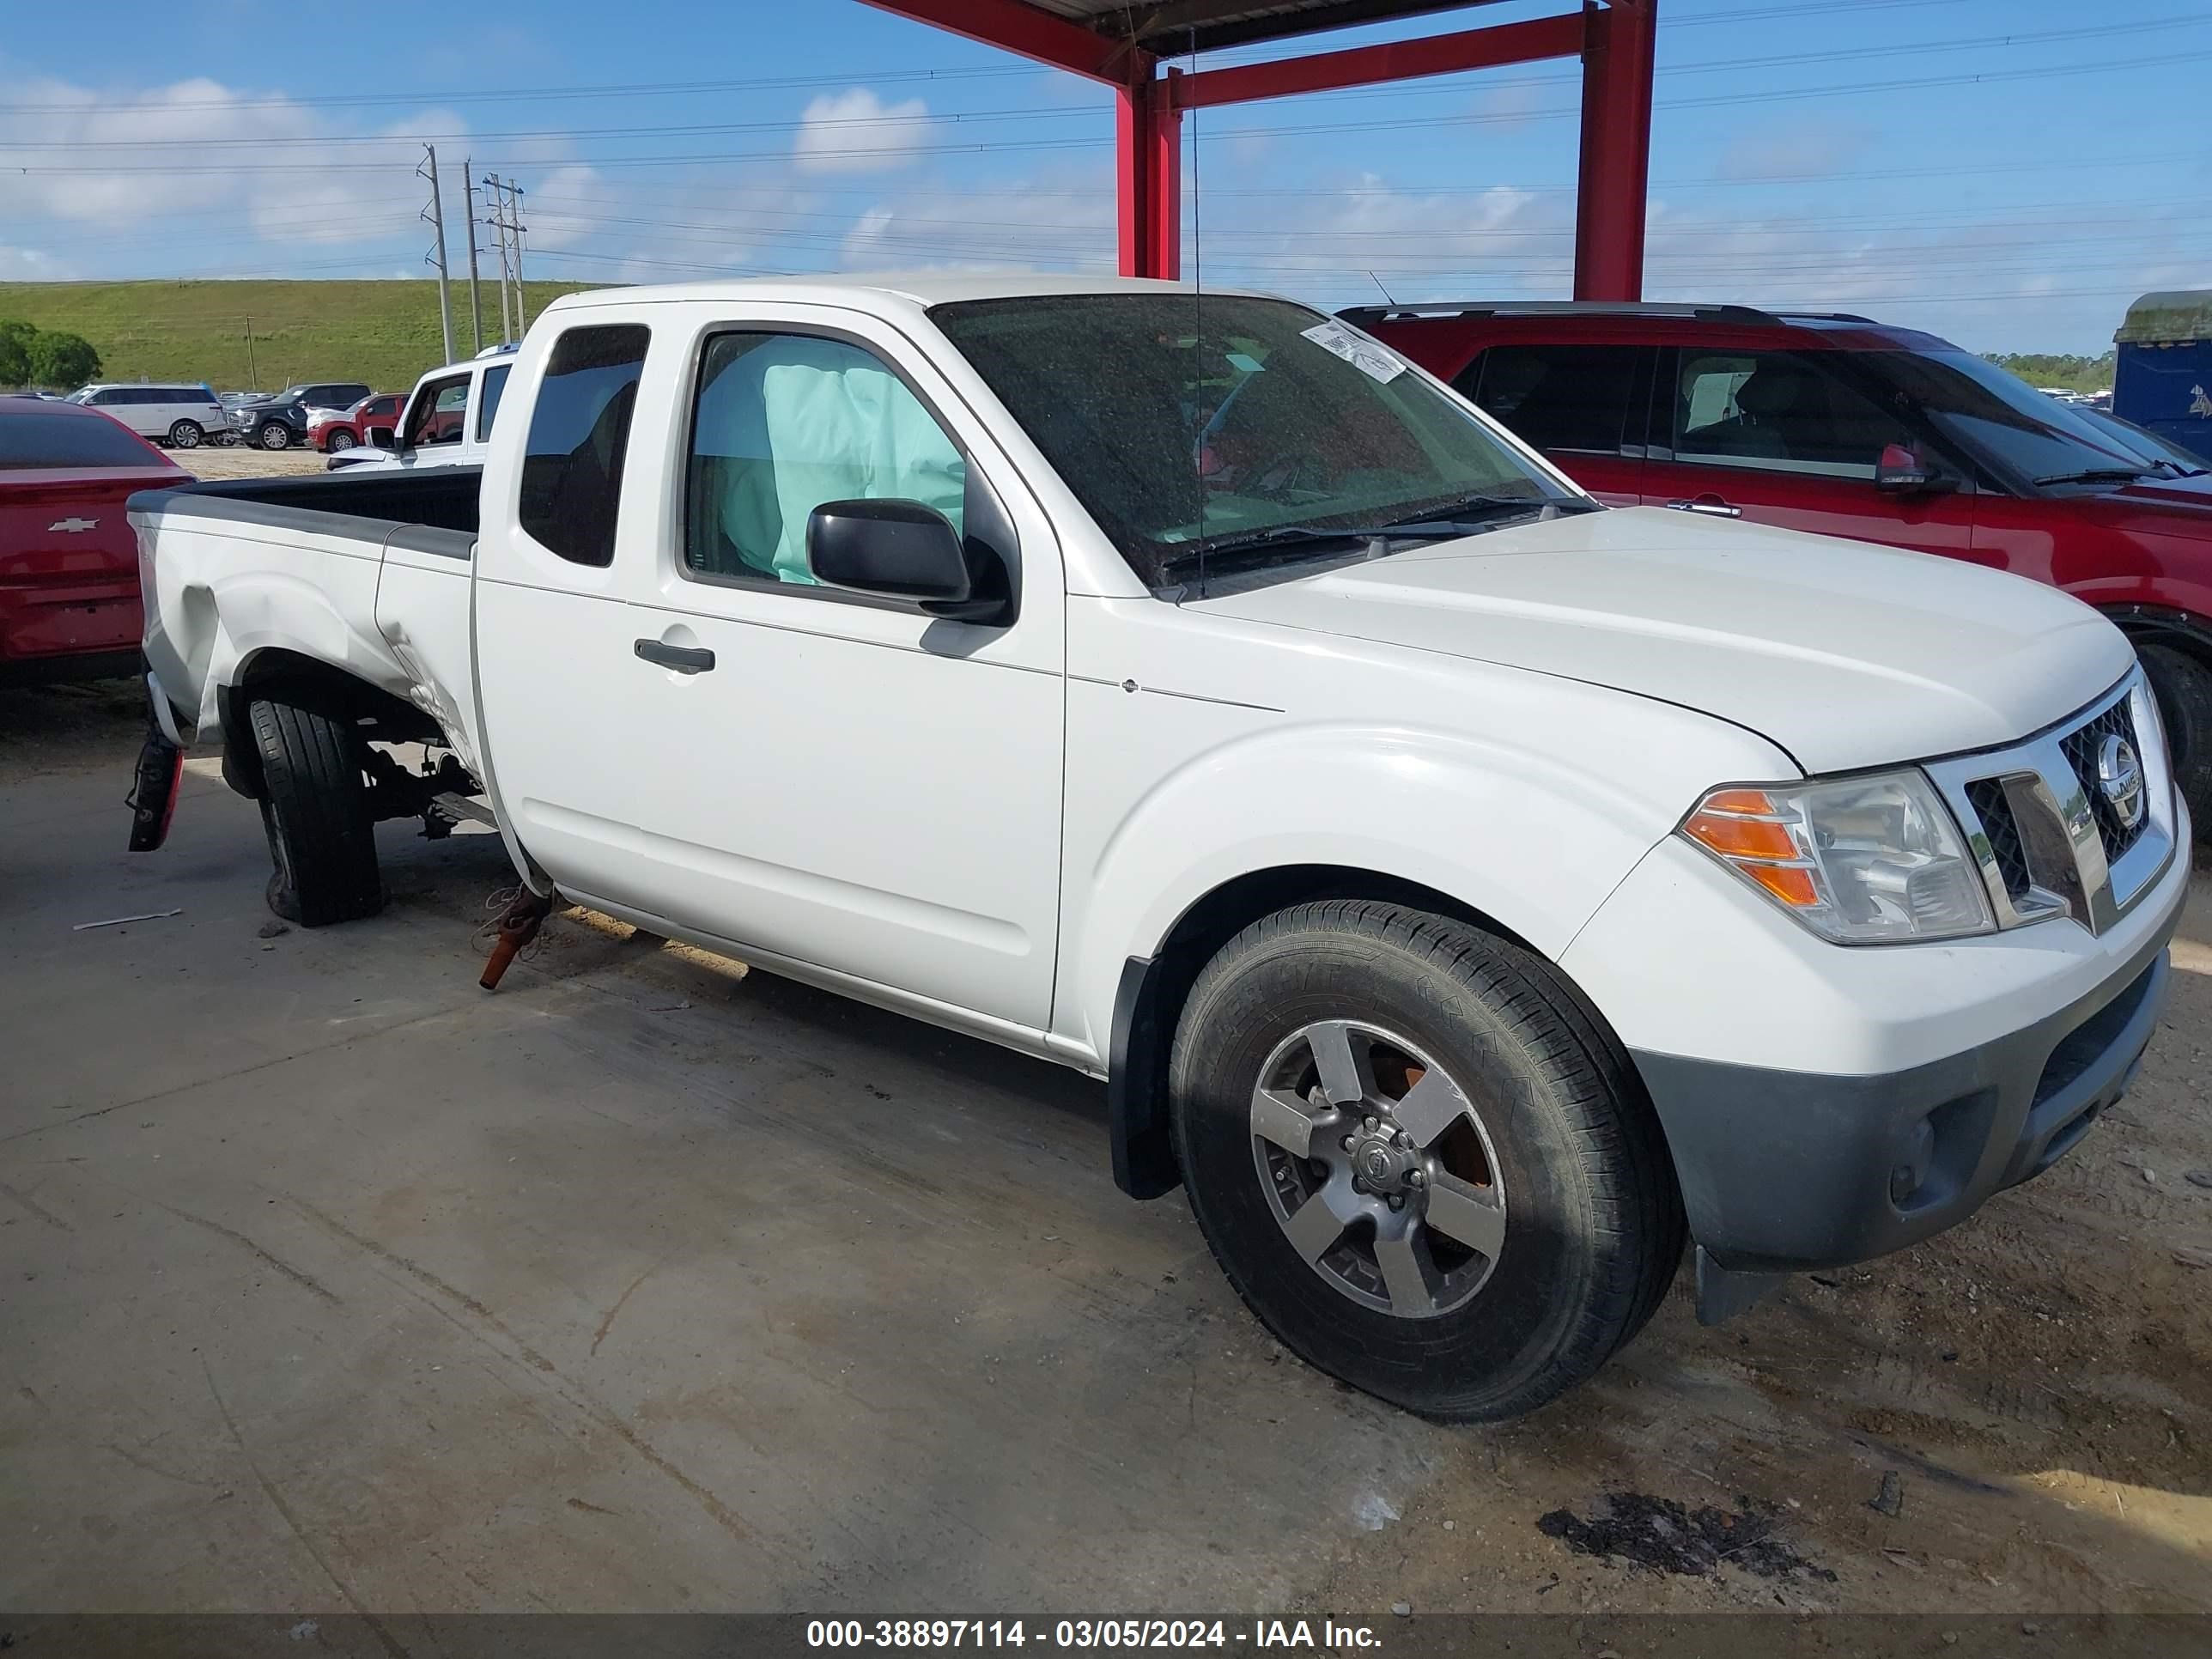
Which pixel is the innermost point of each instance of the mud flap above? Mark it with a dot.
(1723, 1292)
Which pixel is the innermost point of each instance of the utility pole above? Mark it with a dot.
(499, 224)
(469, 203)
(436, 215)
(515, 228)
(251, 374)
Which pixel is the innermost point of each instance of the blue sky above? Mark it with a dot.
(2008, 172)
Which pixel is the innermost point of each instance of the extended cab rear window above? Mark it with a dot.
(36, 441)
(571, 467)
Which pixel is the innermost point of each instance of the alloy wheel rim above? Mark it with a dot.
(1378, 1169)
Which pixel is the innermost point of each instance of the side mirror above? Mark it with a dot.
(1901, 472)
(900, 550)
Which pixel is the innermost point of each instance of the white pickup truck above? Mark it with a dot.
(1467, 892)
(446, 419)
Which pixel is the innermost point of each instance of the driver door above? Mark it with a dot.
(847, 788)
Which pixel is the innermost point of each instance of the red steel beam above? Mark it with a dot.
(1615, 175)
(1016, 28)
(1148, 178)
(1398, 60)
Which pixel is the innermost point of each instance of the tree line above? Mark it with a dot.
(2059, 368)
(51, 358)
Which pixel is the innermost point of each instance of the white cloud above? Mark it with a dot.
(197, 172)
(1060, 221)
(31, 265)
(855, 131)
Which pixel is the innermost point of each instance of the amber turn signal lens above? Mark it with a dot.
(1755, 801)
(1740, 838)
(1790, 884)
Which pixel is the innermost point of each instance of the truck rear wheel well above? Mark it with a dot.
(1150, 998)
(303, 681)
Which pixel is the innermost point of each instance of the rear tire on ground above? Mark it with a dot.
(187, 435)
(274, 435)
(314, 808)
(1535, 1138)
(2183, 686)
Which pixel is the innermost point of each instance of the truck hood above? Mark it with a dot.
(1844, 654)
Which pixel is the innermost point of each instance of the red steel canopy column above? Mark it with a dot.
(1109, 41)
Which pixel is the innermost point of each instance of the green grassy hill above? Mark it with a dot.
(383, 333)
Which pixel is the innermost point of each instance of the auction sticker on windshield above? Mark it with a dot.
(1379, 362)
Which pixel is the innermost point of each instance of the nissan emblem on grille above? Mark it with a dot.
(2119, 774)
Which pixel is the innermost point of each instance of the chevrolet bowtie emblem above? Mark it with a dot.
(70, 526)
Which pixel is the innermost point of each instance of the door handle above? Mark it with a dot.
(684, 658)
(1712, 506)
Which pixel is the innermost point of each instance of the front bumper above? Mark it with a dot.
(1825, 1105)
(1786, 1170)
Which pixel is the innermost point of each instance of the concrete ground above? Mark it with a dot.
(329, 1282)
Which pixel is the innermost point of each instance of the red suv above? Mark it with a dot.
(372, 421)
(1844, 427)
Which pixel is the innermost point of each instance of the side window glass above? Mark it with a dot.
(488, 397)
(435, 416)
(783, 422)
(572, 466)
(1558, 397)
(1779, 411)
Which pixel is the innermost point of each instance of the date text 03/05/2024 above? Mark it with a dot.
(1292, 1634)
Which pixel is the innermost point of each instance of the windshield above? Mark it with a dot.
(1185, 423)
(2159, 453)
(2008, 422)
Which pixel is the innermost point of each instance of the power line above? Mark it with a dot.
(1396, 93)
(902, 76)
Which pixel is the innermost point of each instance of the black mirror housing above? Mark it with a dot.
(902, 549)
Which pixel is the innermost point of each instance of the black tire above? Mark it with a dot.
(314, 808)
(187, 435)
(2183, 686)
(273, 434)
(1593, 1222)
(340, 440)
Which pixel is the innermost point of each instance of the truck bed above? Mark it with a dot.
(368, 504)
(365, 573)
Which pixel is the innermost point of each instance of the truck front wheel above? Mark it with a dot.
(315, 806)
(1421, 1158)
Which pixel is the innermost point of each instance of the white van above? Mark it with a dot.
(182, 416)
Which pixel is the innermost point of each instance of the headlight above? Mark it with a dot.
(1860, 860)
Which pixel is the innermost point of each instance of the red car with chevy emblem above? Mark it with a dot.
(69, 561)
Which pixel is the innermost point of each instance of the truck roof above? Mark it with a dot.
(876, 290)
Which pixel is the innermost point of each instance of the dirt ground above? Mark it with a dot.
(330, 1282)
(243, 461)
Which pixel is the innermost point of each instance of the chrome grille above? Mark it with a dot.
(2039, 823)
(1987, 796)
(2082, 747)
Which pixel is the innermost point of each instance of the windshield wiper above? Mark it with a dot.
(1234, 550)
(1451, 513)
(2097, 474)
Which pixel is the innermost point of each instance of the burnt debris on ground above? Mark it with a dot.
(1665, 1537)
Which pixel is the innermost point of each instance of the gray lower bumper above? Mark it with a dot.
(1785, 1170)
